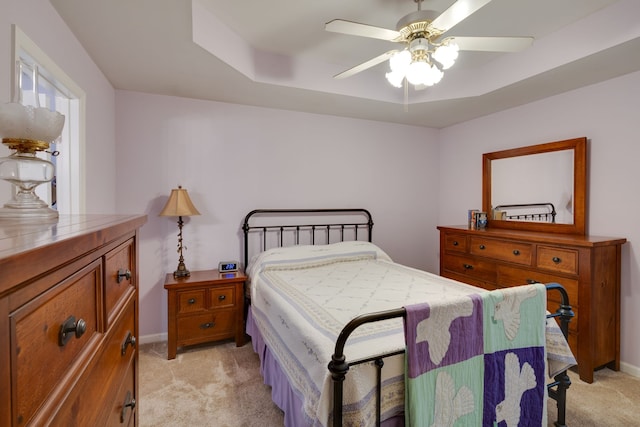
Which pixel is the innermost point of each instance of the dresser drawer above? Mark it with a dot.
(104, 378)
(191, 301)
(558, 259)
(472, 267)
(513, 276)
(207, 326)
(123, 409)
(40, 356)
(119, 280)
(222, 297)
(504, 250)
(455, 243)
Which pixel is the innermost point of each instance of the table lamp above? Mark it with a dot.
(179, 204)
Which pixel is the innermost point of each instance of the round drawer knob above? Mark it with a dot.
(467, 266)
(70, 328)
(222, 297)
(455, 243)
(123, 274)
(556, 260)
(516, 252)
(482, 247)
(192, 301)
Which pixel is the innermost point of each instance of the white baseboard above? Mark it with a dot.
(630, 369)
(146, 339)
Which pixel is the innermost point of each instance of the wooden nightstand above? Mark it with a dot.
(204, 307)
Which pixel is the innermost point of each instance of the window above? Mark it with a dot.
(57, 92)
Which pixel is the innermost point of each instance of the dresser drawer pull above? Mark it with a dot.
(532, 281)
(70, 325)
(482, 247)
(129, 402)
(455, 243)
(123, 274)
(130, 340)
(208, 325)
(192, 301)
(222, 297)
(556, 260)
(467, 266)
(516, 252)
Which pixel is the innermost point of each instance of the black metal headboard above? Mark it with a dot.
(548, 216)
(303, 226)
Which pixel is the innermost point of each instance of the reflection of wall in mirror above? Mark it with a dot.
(536, 178)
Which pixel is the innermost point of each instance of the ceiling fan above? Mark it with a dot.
(425, 53)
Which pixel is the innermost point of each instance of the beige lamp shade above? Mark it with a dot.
(179, 204)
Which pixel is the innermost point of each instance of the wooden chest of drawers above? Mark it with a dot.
(69, 321)
(588, 267)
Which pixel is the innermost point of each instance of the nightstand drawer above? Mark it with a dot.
(222, 297)
(558, 259)
(504, 250)
(208, 325)
(191, 301)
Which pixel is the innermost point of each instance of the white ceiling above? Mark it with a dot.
(276, 53)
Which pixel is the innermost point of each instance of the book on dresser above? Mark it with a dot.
(588, 267)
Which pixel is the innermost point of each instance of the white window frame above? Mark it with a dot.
(71, 169)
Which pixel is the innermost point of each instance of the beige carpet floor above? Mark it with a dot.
(220, 385)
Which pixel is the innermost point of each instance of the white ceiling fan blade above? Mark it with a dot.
(493, 44)
(365, 65)
(362, 30)
(456, 13)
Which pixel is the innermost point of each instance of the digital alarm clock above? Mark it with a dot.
(227, 266)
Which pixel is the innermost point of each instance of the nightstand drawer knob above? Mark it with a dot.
(467, 266)
(208, 325)
(192, 301)
(556, 260)
(482, 247)
(516, 252)
(222, 297)
(455, 243)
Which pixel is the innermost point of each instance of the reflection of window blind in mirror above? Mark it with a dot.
(535, 178)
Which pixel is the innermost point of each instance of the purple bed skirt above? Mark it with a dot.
(281, 392)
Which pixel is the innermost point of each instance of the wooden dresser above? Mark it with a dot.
(587, 266)
(69, 321)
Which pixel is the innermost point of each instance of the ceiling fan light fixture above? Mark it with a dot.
(446, 54)
(417, 72)
(400, 61)
(395, 78)
(418, 45)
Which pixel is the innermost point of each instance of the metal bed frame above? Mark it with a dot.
(339, 366)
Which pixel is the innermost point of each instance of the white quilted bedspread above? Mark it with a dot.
(303, 296)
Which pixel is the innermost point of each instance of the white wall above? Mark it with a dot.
(233, 159)
(42, 24)
(608, 114)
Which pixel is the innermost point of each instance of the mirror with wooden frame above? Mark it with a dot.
(537, 188)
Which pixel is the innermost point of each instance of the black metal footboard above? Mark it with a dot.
(339, 366)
